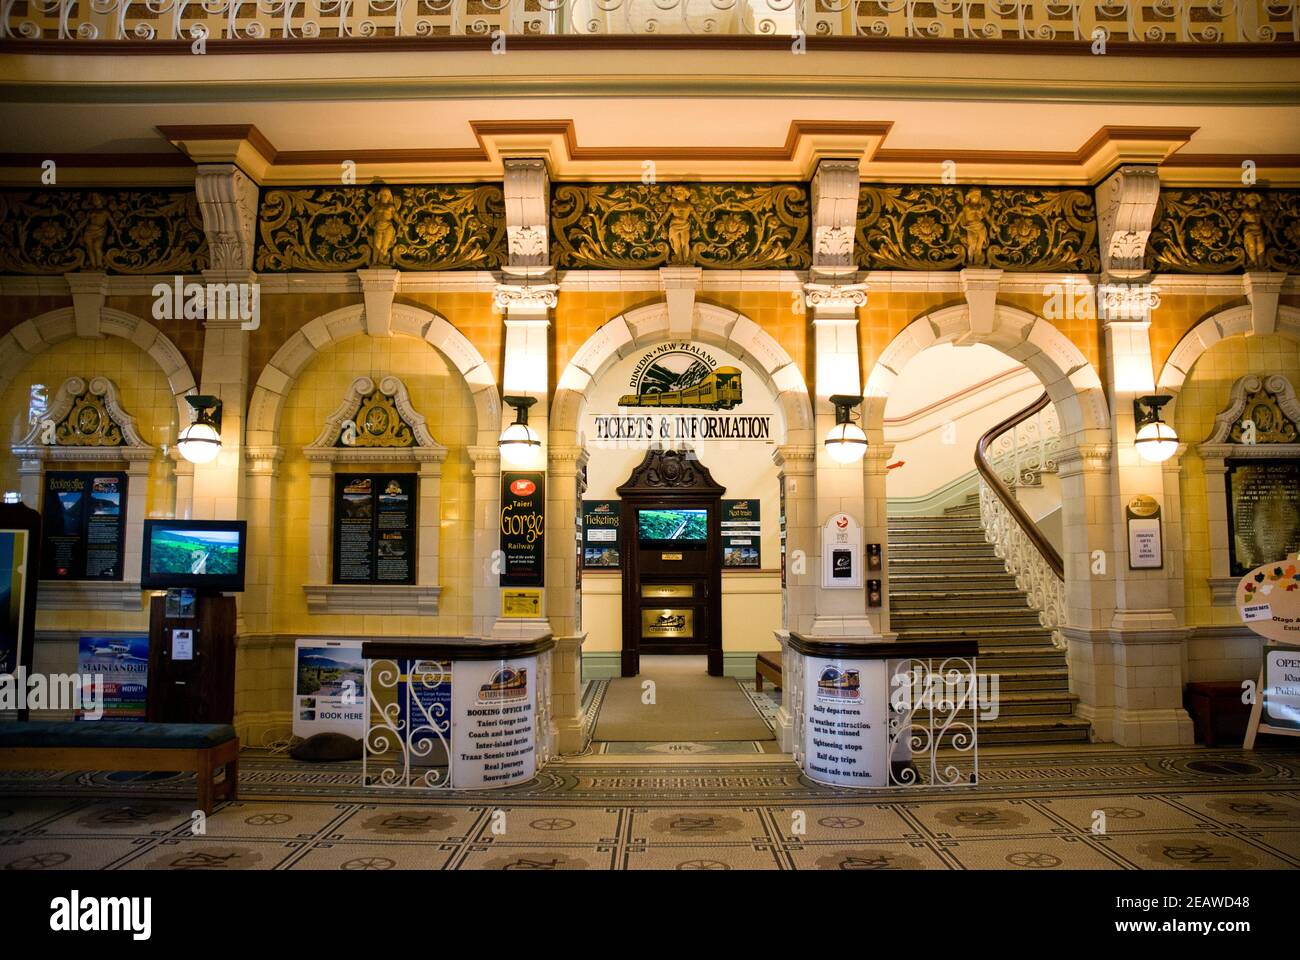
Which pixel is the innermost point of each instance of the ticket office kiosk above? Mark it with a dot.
(672, 561)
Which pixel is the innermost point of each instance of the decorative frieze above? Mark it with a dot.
(437, 227)
(928, 227)
(1226, 231)
(710, 225)
(107, 231)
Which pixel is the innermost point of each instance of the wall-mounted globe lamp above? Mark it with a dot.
(846, 443)
(200, 442)
(1156, 441)
(519, 442)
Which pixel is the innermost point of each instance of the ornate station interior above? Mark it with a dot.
(689, 364)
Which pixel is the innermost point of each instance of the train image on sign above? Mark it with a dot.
(716, 390)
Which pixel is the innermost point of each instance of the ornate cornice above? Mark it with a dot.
(85, 422)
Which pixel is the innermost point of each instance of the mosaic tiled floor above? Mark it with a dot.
(1032, 810)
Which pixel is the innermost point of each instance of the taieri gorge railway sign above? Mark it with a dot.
(678, 375)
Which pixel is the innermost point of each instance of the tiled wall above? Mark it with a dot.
(144, 394)
(1204, 395)
(439, 394)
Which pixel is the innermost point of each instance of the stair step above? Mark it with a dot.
(962, 565)
(993, 636)
(1020, 730)
(999, 659)
(981, 602)
(907, 621)
(941, 552)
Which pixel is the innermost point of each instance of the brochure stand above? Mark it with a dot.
(192, 661)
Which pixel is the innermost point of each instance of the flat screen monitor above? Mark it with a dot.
(207, 554)
(686, 527)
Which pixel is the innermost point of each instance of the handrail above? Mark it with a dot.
(1003, 492)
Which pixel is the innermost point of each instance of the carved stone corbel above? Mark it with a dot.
(1263, 290)
(527, 195)
(228, 202)
(981, 289)
(1126, 207)
(835, 188)
(89, 290)
(378, 288)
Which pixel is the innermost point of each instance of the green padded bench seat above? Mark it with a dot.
(114, 733)
(115, 745)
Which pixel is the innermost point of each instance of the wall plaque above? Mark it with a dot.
(374, 528)
(83, 525)
(522, 603)
(1263, 512)
(1145, 549)
(676, 623)
(523, 513)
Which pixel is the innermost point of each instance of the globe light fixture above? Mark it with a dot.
(846, 443)
(200, 442)
(1156, 441)
(519, 442)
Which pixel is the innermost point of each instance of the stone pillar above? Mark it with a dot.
(798, 466)
(841, 488)
(487, 527)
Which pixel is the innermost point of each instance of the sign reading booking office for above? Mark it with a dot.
(667, 384)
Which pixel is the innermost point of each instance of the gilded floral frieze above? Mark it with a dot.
(928, 227)
(438, 227)
(113, 231)
(714, 225)
(1224, 231)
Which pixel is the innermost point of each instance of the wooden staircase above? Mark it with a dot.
(946, 582)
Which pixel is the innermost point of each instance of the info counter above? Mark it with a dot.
(456, 713)
(884, 714)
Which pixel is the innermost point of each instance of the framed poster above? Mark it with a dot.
(1282, 687)
(600, 535)
(123, 662)
(1263, 512)
(374, 528)
(83, 519)
(523, 603)
(20, 528)
(523, 541)
(741, 542)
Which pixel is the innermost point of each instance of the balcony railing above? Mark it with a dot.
(1146, 22)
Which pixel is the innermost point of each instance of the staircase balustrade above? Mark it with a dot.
(1016, 538)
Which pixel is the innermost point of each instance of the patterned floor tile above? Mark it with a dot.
(551, 825)
(207, 853)
(372, 855)
(1122, 813)
(68, 853)
(1202, 851)
(1260, 811)
(841, 823)
(1027, 853)
(506, 856)
(266, 820)
(877, 855)
(144, 816)
(737, 825)
(427, 824)
(959, 819)
(702, 857)
(18, 814)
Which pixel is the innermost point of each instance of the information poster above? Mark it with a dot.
(1263, 512)
(123, 662)
(522, 603)
(83, 525)
(523, 513)
(494, 725)
(13, 597)
(424, 707)
(329, 692)
(846, 705)
(1282, 687)
(600, 534)
(741, 534)
(374, 528)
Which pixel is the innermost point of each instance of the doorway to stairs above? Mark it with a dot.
(945, 579)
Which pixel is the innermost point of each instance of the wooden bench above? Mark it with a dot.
(117, 745)
(767, 665)
(1217, 711)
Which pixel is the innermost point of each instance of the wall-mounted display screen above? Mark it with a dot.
(208, 554)
(673, 526)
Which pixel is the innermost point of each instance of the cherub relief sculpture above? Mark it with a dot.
(1252, 230)
(95, 232)
(383, 221)
(679, 214)
(974, 223)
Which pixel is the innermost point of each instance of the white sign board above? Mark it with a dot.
(329, 692)
(1282, 687)
(842, 553)
(846, 707)
(182, 644)
(494, 712)
(1144, 550)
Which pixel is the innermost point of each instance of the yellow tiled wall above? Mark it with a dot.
(438, 393)
(1204, 395)
(144, 394)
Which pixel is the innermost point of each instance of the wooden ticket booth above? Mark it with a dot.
(672, 560)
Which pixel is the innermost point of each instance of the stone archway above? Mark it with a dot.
(284, 368)
(34, 336)
(633, 330)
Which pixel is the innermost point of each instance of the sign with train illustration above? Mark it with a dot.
(683, 376)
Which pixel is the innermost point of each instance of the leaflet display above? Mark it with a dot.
(83, 525)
